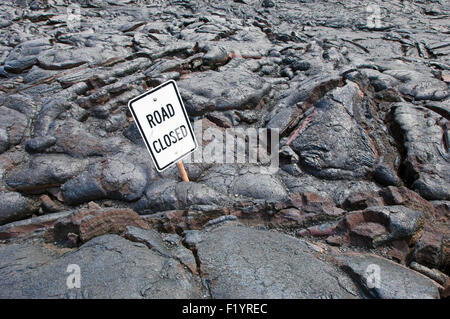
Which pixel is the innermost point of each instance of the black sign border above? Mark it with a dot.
(141, 131)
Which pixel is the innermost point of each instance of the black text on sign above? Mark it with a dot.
(164, 125)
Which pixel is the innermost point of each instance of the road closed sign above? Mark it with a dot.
(164, 124)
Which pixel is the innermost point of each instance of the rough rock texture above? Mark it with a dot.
(359, 103)
(14, 207)
(168, 195)
(427, 154)
(27, 227)
(12, 128)
(113, 178)
(280, 267)
(432, 248)
(377, 225)
(87, 224)
(177, 221)
(168, 245)
(333, 145)
(391, 283)
(142, 273)
(43, 172)
(390, 196)
(212, 90)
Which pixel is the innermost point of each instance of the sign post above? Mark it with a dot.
(182, 171)
(164, 125)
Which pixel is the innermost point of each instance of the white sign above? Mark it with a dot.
(164, 125)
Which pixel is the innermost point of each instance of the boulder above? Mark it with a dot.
(43, 172)
(90, 223)
(14, 207)
(212, 90)
(333, 145)
(117, 177)
(384, 279)
(389, 196)
(240, 262)
(12, 128)
(375, 226)
(165, 194)
(426, 160)
(109, 267)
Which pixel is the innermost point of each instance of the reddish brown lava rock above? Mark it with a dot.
(317, 231)
(445, 76)
(390, 196)
(399, 251)
(301, 210)
(353, 219)
(288, 217)
(90, 223)
(367, 233)
(307, 209)
(28, 226)
(313, 203)
(442, 211)
(433, 247)
(176, 221)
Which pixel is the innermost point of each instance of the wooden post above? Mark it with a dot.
(182, 171)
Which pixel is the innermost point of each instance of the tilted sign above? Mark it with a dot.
(164, 124)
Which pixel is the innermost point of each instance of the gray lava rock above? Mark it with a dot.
(166, 194)
(21, 103)
(14, 207)
(259, 186)
(25, 55)
(39, 144)
(423, 86)
(43, 172)
(241, 262)
(18, 66)
(304, 67)
(48, 113)
(379, 81)
(215, 55)
(110, 267)
(167, 247)
(250, 181)
(132, 133)
(212, 90)
(385, 176)
(67, 57)
(12, 127)
(268, 4)
(394, 281)
(334, 145)
(60, 59)
(427, 167)
(83, 188)
(123, 180)
(37, 74)
(311, 89)
(114, 178)
(72, 138)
